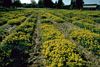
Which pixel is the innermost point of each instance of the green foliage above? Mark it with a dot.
(57, 19)
(60, 53)
(18, 43)
(26, 27)
(31, 20)
(16, 21)
(33, 3)
(52, 17)
(89, 40)
(61, 46)
(16, 39)
(45, 21)
(49, 32)
(88, 20)
(77, 4)
(3, 21)
(2, 34)
(40, 3)
(17, 3)
(60, 4)
(88, 26)
(14, 42)
(97, 20)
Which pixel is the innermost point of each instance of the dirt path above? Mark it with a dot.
(36, 54)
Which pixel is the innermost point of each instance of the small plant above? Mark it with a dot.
(87, 39)
(16, 21)
(97, 20)
(3, 21)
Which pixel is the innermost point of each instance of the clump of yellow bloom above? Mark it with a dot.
(51, 17)
(49, 32)
(58, 51)
(87, 39)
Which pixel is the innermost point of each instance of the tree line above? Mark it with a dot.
(75, 4)
(10, 3)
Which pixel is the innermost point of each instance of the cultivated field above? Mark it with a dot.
(49, 38)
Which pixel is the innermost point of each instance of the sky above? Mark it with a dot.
(67, 2)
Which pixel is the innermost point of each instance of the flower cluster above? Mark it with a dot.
(57, 50)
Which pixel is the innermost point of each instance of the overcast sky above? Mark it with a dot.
(67, 1)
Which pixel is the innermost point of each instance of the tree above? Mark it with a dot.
(1, 2)
(17, 3)
(79, 4)
(76, 4)
(48, 3)
(72, 6)
(60, 4)
(56, 4)
(7, 3)
(33, 3)
(41, 3)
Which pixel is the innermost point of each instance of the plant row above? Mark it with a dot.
(87, 39)
(58, 51)
(16, 46)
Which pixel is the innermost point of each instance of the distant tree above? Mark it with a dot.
(60, 4)
(33, 3)
(55, 4)
(1, 2)
(41, 3)
(79, 4)
(76, 4)
(25, 5)
(73, 4)
(17, 3)
(48, 3)
(7, 3)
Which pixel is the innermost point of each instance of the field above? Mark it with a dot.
(49, 38)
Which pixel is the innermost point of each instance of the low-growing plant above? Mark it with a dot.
(88, 21)
(14, 47)
(49, 32)
(17, 21)
(87, 39)
(97, 20)
(88, 26)
(57, 19)
(26, 27)
(3, 21)
(60, 53)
